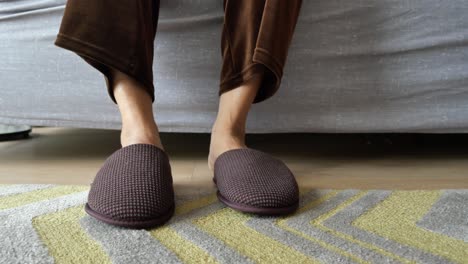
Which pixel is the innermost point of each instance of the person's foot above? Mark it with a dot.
(252, 181)
(133, 188)
(223, 140)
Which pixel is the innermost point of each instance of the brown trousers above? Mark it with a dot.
(120, 35)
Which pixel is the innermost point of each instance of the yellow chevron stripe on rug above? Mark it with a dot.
(325, 245)
(34, 196)
(184, 249)
(318, 222)
(71, 244)
(396, 220)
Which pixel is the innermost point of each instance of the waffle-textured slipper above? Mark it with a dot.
(133, 188)
(252, 181)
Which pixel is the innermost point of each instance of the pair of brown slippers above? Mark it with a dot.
(134, 187)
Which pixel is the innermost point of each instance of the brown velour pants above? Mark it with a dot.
(120, 34)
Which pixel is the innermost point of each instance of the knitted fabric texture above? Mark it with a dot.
(134, 184)
(254, 178)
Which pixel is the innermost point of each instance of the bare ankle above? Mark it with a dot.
(137, 134)
(224, 138)
(237, 131)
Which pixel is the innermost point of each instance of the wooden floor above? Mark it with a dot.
(73, 156)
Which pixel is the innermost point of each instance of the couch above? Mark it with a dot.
(353, 66)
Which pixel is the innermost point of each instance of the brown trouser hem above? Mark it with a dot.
(264, 66)
(100, 59)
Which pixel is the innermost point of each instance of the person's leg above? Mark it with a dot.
(255, 41)
(138, 125)
(229, 128)
(134, 186)
(117, 38)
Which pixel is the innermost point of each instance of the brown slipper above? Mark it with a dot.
(252, 181)
(133, 188)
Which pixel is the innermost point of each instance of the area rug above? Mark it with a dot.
(47, 224)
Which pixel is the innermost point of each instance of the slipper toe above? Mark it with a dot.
(252, 181)
(133, 188)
